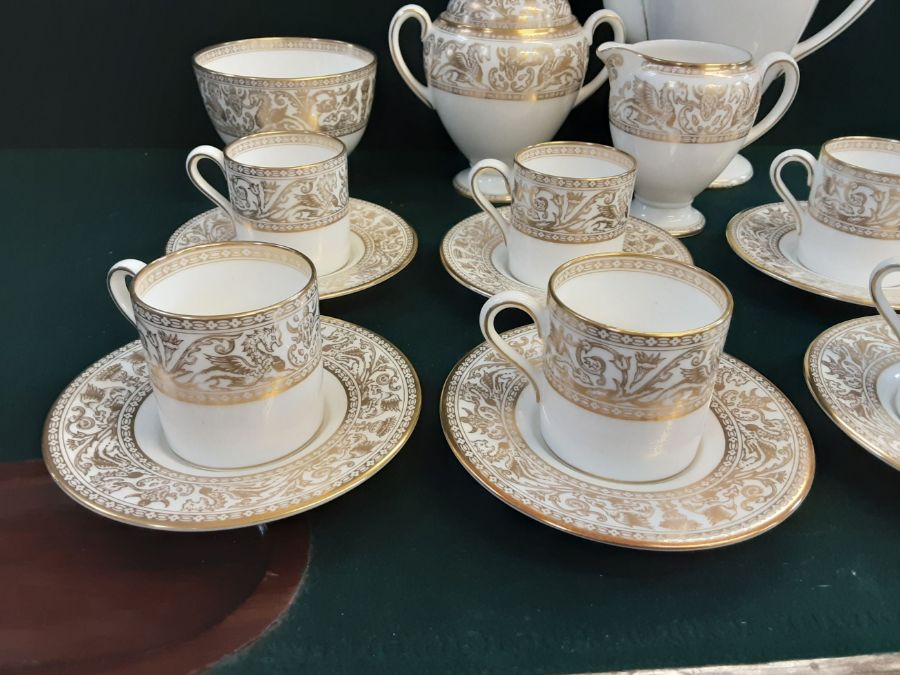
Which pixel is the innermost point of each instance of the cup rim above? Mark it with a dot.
(214, 246)
(610, 149)
(724, 317)
(263, 41)
(837, 160)
(341, 149)
(725, 65)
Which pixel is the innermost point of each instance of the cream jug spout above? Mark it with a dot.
(607, 49)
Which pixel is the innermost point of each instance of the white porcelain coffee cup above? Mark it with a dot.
(287, 188)
(569, 199)
(631, 349)
(852, 219)
(876, 287)
(232, 341)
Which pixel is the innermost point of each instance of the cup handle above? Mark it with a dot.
(881, 270)
(843, 20)
(786, 64)
(420, 15)
(535, 309)
(216, 155)
(782, 160)
(503, 169)
(117, 283)
(590, 26)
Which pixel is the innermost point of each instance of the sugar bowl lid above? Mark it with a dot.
(509, 14)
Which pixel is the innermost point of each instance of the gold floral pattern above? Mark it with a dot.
(509, 14)
(632, 376)
(760, 237)
(765, 472)
(92, 452)
(469, 249)
(239, 106)
(482, 69)
(382, 242)
(842, 368)
(681, 111)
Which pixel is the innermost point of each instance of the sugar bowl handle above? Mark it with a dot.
(535, 309)
(420, 15)
(590, 26)
(193, 159)
(786, 64)
(785, 158)
(881, 270)
(117, 283)
(503, 169)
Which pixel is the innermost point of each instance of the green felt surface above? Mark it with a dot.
(420, 569)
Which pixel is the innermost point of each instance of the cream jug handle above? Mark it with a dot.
(590, 26)
(217, 156)
(843, 20)
(404, 13)
(785, 158)
(788, 66)
(535, 309)
(503, 169)
(117, 283)
(881, 270)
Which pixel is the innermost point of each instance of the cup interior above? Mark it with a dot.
(693, 52)
(882, 156)
(668, 298)
(291, 58)
(284, 150)
(200, 285)
(582, 161)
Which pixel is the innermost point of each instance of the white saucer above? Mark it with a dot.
(754, 467)
(104, 445)
(381, 242)
(766, 238)
(853, 371)
(738, 172)
(474, 254)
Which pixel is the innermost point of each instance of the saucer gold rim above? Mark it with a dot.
(474, 220)
(766, 267)
(221, 522)
(838, 417)
(396, 267)
(800, 492)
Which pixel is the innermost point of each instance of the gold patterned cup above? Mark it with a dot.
(852, 219)
(231, 337)
(285, 188)
(568, 199)
(631, 349)
(287, 84)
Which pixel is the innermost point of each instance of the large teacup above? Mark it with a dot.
(852, 219)
(759, 26)
(683, 109)
(631, 349)
(287, 84)
(231, 337)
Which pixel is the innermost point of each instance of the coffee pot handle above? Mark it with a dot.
(117, 283)
(843, 20)
(786, 64)
(535, 309)
(503, 169)
(193, 159)
(785, 158)
(420, 15)
(590, 27)
(884, 306)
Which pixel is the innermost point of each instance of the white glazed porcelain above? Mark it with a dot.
(852, 219)
(758, 26)
(231, 337)
(287, 188)
(287, 84)
(631, 348)
(569, 199)
(876, 286)
(683, 109)
(502, 74)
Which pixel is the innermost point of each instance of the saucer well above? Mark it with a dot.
(474, 254)
(104, 446)
(754, 467)
(853, 372)
(766, 238)
(382, 244)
